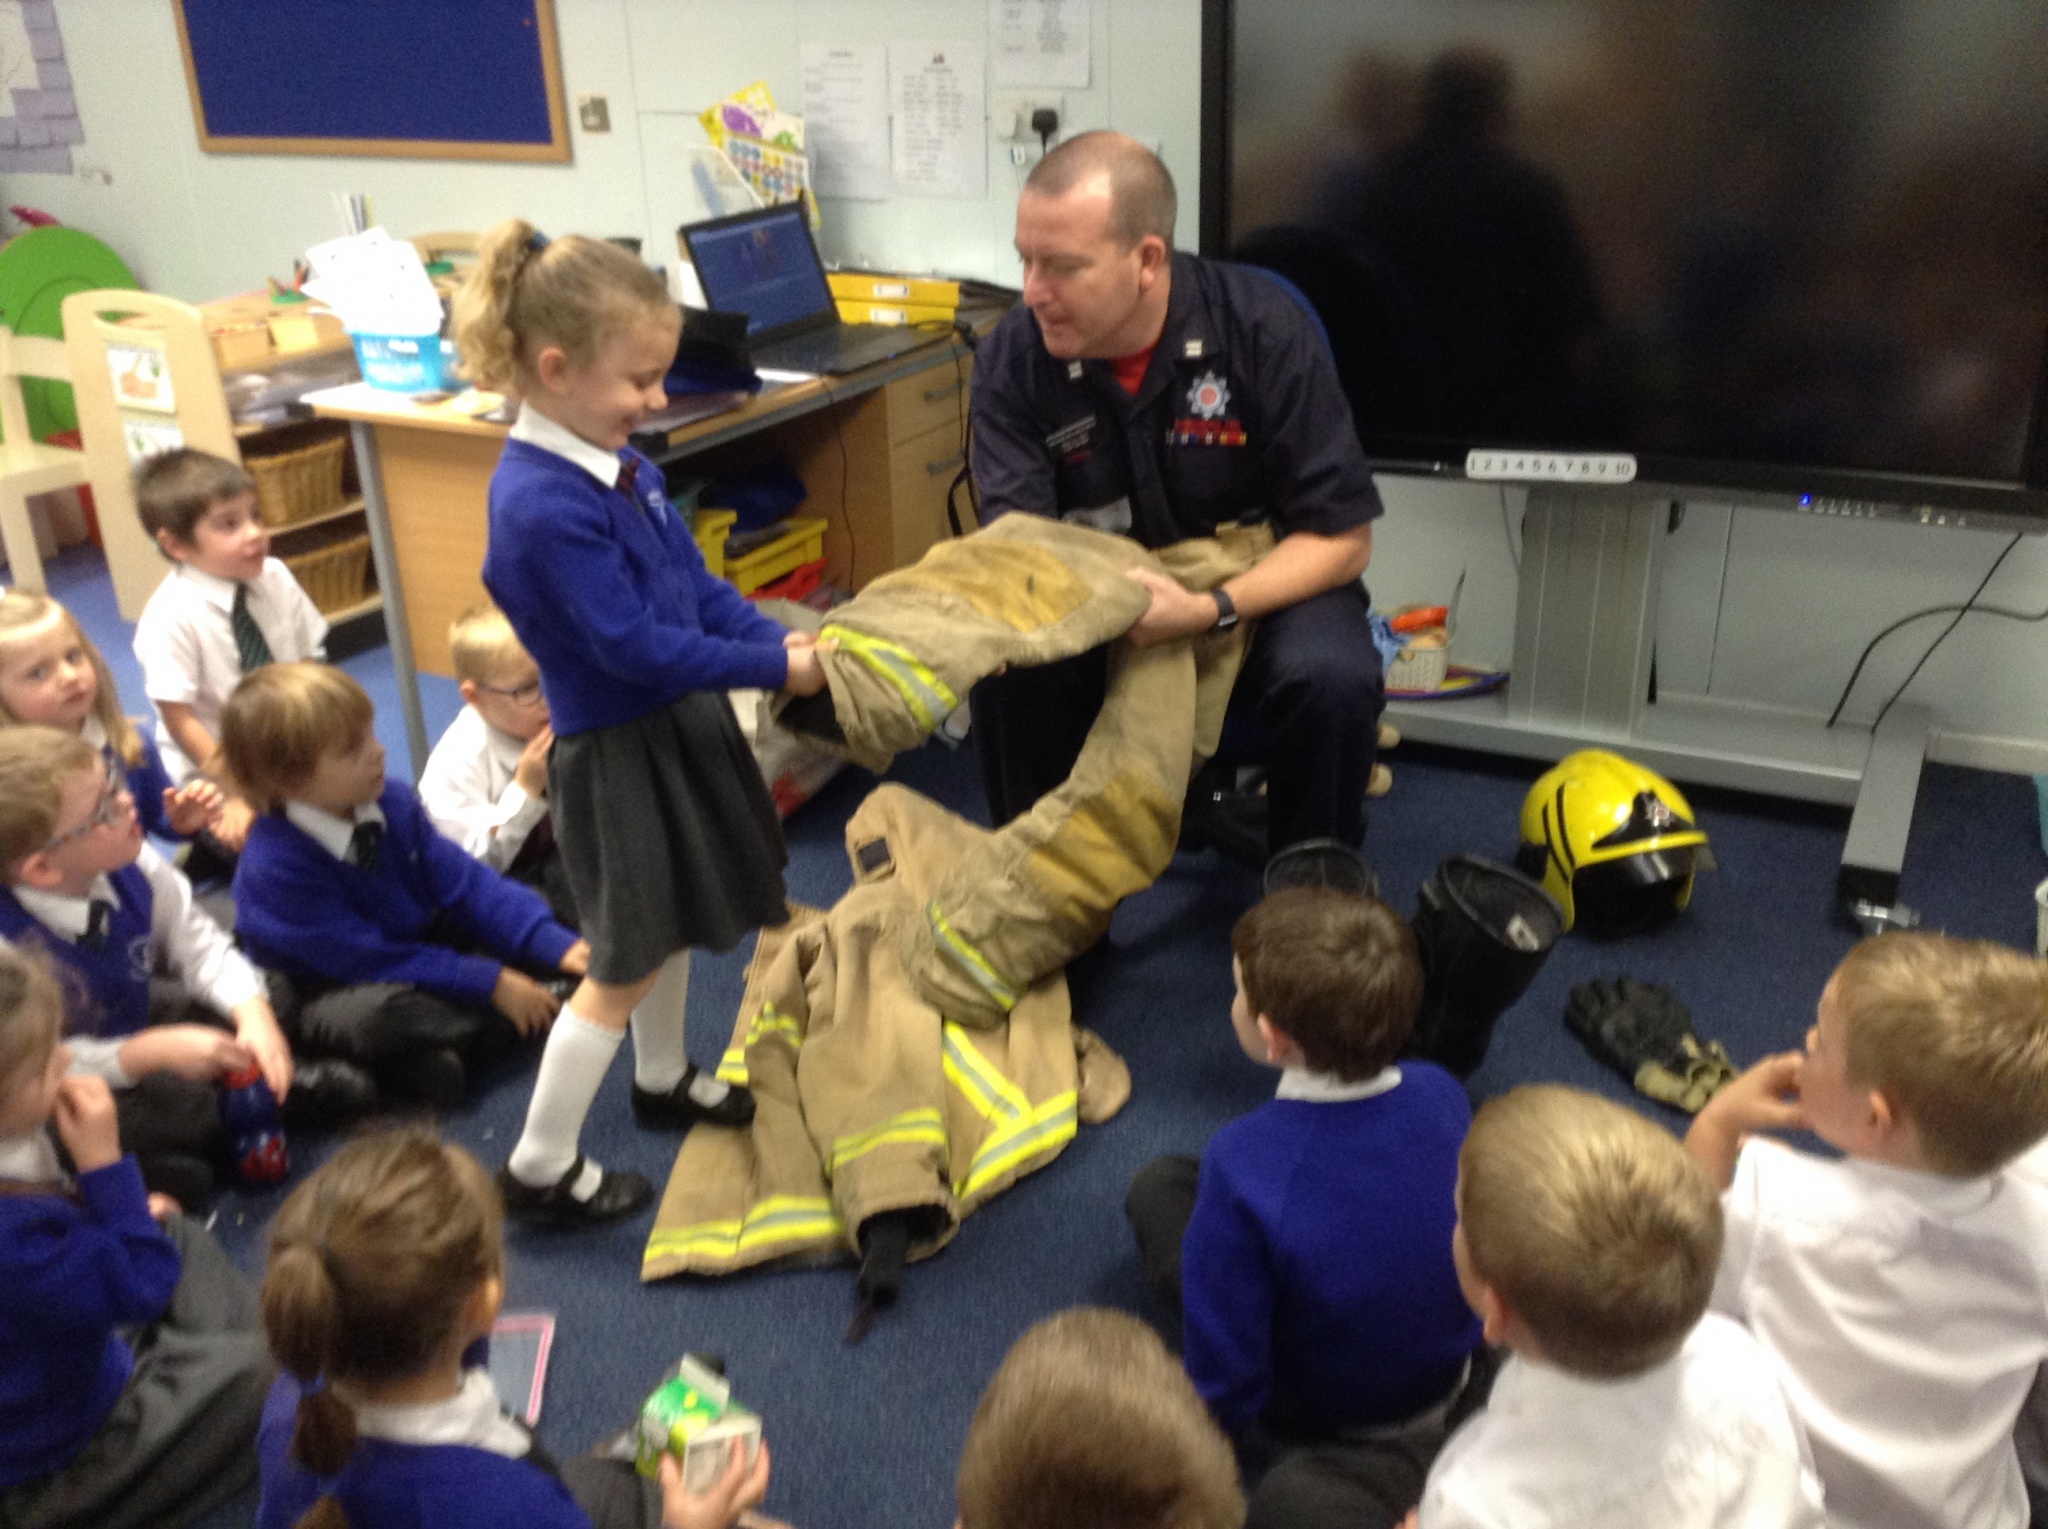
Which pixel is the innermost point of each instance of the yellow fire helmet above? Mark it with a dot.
(1614, 843)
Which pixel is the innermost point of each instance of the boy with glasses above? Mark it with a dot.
(166, 1006)
(486, 783)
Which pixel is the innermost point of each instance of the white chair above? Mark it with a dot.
(27, 466)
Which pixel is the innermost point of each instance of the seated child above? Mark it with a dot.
(1904, 1288)
(50, 673)
(1587, 1242)
(227, 608)
(1315, 1272)
(374, 916)
(82, 885)
(1089, 1421)
(385, 1276)
(486, 783)
(131, 1372)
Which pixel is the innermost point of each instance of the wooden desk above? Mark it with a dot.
(877, 452)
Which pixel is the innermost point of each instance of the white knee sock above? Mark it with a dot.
(571, 1068)
(659, 1057)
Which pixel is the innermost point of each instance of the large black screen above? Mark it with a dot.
(1795, 245)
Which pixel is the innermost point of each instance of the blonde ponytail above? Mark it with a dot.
(526, 292)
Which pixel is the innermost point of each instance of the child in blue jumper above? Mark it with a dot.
(52, 675)
(667, 831)
(166, 1006)
(385, 1276)
(1324, 1323)
(131, 1373)
(407, 955)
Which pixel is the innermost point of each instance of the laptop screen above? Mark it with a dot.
(763, 266)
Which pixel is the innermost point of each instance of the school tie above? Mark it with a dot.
(365, 844)
(97, 919)
(624, 482)
(250, 644)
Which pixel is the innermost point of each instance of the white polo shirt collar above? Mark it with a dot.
(536, 429)
(329, 830)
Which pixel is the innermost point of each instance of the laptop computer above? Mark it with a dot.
(765, 264)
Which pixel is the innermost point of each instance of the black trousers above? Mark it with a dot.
(1362, 1478)
(1312, 685)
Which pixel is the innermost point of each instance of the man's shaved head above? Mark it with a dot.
(1141, 195)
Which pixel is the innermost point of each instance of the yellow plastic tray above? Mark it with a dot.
(802, 543)
(711, 530)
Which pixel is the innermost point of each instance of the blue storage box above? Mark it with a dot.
(407, 363)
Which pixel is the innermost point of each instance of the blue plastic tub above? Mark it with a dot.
(407, 363)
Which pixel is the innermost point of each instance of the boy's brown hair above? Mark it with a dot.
(281, 719)
(174, 489)
(1595, 1227)
(481, 643)
(34, 764)
(1091, 1424)
(1338, 973)
(1955, 1034)
(31, 1013)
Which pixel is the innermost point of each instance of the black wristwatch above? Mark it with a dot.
(1226, 610)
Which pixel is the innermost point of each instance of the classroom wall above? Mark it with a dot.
(1758, 606)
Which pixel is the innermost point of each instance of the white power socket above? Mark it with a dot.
(1009, 113)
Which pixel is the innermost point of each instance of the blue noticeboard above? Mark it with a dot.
(466, 79)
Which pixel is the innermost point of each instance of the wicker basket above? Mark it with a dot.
(336, 576)
(296, 485)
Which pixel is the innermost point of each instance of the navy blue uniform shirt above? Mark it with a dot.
(1239, 417)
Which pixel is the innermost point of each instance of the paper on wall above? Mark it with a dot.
(1040, 42)
(939, 127)
(846, 112)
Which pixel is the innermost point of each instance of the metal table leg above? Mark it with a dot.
(385, 556)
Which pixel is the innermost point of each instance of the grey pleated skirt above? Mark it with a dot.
(668, 834)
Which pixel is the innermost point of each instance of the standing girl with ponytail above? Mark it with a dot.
(386, 1267)
(667, 831)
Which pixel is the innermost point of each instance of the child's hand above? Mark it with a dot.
(162, 1207)
(799, 639)
(730, 1496)
(256, 1028)
(197, 1053)
(233, 827)
(576, 959)
(806, 674)
(193, 806)
(1765, 1098)
(84, 1117)
(1413, 1520)
(531, 773)
(529, 1006)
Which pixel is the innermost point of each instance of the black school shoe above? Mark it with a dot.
(675, 1110)
(328, 1092)
(618, 1196)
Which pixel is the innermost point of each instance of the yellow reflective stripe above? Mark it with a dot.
(919, 1125)
(927, 696)
(777, 1219)
(993, 1096)
(1051, 1125)
(732, 1067)
(970, 960)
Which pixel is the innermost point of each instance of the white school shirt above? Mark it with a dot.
(472, 1416)
(183, 942)
(468, 790)
(536, 429)
(330, 830)
(185, 642)
(1908, 1313)
(1704, 1440)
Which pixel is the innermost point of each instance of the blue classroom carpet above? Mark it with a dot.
(866, 1437)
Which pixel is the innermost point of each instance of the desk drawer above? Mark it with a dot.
(929, 399)
(920, 472)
